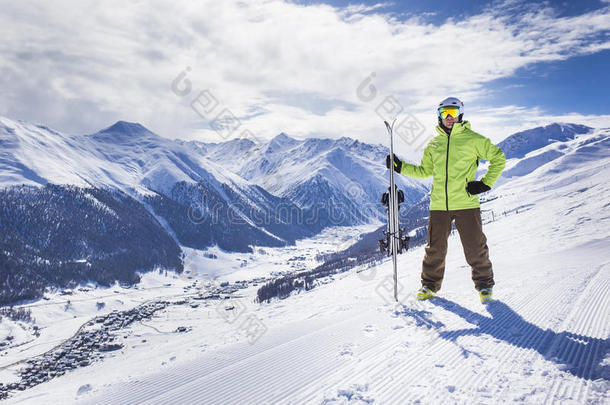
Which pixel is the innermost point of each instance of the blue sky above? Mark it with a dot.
(577, 84)
(574, 85)
(211, 71)
(437, 12)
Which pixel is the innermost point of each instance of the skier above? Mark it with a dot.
(452, 158)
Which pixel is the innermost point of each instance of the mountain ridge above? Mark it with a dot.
(523, 142)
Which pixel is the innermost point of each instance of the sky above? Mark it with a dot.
(211, 71)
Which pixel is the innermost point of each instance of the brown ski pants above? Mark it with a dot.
(474, 242)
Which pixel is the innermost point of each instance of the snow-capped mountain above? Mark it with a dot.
(520, 144)
(345, 175)
(130, 158)
(125, 156)
(556, 140)
(193, 193)
(332, 182)
(102, 206)
(570, 161)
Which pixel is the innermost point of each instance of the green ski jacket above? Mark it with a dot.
(452, 161)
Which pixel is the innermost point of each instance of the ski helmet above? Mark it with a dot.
(451, 102)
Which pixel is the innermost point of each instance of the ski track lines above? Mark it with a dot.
(594, 304)
(517, 359)
(514, 358)
(281, 371)
(411, 373)
(421, 380)
(302, 362)
(533, 346)
(356, 372)
(274, 369)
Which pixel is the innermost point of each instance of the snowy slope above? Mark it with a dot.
(37, 155)
(544, 340)
(571, 146)
(125, 156)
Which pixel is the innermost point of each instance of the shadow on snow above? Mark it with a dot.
(577, 354)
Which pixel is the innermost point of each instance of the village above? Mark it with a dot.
(99, 337)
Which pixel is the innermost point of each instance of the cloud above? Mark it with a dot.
(274, 65)
(357, 10)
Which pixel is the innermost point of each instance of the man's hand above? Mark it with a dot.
(477, 187)
(397, 163)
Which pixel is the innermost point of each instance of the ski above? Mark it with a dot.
(393, 225)
(403, 240)
(394, 241)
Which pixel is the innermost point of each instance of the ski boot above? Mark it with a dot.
(424, 293)
(485, 294)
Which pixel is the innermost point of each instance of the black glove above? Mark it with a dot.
(397, 163)
(477, 187)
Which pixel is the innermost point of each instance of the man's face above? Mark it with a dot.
(448, 122)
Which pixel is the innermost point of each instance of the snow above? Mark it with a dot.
(59, 316)
(129, 157)
(521, 143)
(265, 262)
(544, 339)
(286, 166)
(125, 156)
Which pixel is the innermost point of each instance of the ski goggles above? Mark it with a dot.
(444, 112)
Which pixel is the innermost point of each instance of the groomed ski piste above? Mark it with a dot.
(543, 340)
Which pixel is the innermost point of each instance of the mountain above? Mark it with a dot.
(521, 143)
(168, 194)
(567, 162)
(128, 157)
(335, 182)
(123, 132)
(331, 182)
(64, 235)
(104, 206)
(528, 150)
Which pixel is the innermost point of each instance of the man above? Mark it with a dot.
(452, 158)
